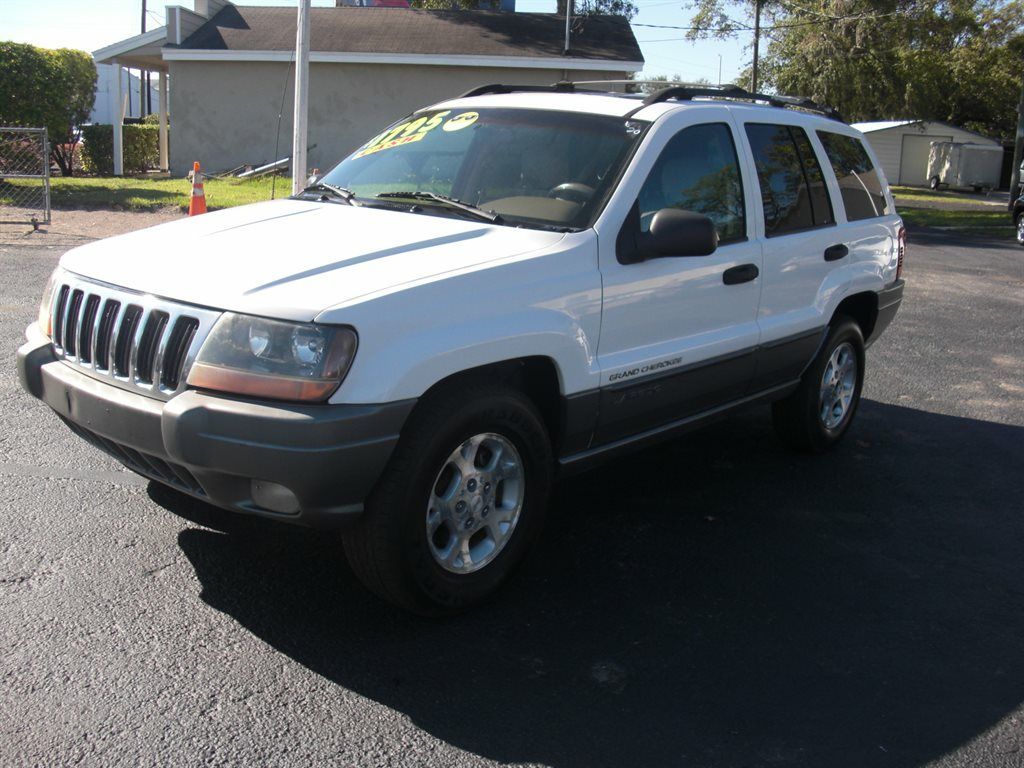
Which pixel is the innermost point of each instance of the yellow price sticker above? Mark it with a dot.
(403, 133)
(460, 121)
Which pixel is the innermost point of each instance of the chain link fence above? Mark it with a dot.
(24, 176)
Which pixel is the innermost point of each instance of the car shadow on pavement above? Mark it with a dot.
(713, 601)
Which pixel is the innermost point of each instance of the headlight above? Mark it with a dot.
(255, 356)
(45, 317)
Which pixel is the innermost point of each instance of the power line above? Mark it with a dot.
(736, 26)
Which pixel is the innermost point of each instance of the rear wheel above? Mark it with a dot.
(461, 500)
(816, 416)
(1019, 224)
(933, 182)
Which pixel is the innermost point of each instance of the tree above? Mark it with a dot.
(54, 89)
(625, 8)
(655, 83)
(715, 18)
(957, 61)
(445, 5)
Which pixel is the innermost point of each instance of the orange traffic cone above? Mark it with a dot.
(197, 203)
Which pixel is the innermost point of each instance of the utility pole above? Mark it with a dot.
(568, 17)
(757, 40)
(143, 75)
(1018, 148)
(301, 99)
(719, 70)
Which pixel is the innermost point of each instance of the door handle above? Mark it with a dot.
(836, 252)
(744, 273)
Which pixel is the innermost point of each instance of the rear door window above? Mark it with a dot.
(859, 184)
(793, 190)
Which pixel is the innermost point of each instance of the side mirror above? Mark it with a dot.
(675, 232)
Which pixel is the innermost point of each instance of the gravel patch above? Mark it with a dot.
(71, 228)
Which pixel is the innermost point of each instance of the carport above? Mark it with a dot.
(139, 52)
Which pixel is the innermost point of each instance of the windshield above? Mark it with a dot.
(531, 167)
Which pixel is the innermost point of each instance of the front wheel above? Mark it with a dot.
(459, 503)
(816, 416)
(933, 182)
(1019, 223)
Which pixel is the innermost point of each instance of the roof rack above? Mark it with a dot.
(687, 93)
(483, 90)
(674, 92)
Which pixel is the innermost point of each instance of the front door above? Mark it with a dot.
(678, 334)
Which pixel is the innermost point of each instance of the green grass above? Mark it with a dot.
(931, 195)
(996, 223)
(131, 194)
(971, 216)
(141, 194)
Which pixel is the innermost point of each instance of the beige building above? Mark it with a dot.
(902, 146)
(231, 72)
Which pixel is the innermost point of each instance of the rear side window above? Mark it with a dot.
(863, 197)
(698, 171)
(793, 189)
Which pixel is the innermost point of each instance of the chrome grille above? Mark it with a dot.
(131, 340)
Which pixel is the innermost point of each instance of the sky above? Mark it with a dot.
(93, 25)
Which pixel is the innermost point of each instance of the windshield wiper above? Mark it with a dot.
(448, 202)
(333, 190)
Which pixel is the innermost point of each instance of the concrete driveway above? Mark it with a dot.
(715, 601)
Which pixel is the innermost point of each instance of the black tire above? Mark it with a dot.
(1018, 223)
(797, 419)
(933, 182)
(389, 549)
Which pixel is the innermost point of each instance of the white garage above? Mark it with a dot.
(902, 146)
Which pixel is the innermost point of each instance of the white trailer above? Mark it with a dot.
(964, 165)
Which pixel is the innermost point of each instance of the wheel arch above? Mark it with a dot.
(862, 308)
(536, 376)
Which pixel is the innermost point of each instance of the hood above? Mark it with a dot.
(292, 259)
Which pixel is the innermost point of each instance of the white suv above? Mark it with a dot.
(495, 290)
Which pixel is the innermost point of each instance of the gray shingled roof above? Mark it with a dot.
(407, 30)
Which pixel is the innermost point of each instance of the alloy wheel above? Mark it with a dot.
(475, 503)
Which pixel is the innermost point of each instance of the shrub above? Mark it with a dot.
(51, 89)
(141, 148)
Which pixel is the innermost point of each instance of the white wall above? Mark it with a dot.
(225, 113)
(104, 109)
(888, 145)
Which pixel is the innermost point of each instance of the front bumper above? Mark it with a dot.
(213, 447)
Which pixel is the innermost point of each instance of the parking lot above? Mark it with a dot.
(716, 601)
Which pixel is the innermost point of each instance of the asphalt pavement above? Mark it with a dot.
(715, 601)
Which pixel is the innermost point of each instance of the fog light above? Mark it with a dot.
(274, 497)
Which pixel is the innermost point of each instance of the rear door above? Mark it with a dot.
(867, 218)
(677, 337)
(802, 246)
